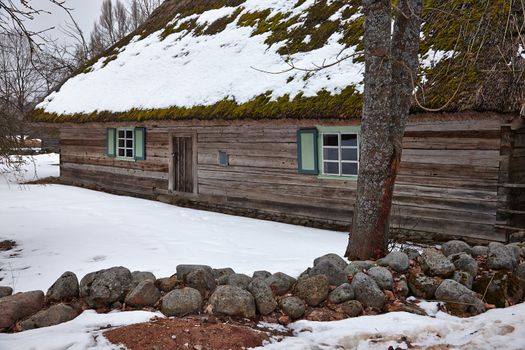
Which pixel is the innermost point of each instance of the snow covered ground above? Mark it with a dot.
(62, 228)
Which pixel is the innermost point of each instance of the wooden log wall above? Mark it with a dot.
(516, 185)
(447, 187)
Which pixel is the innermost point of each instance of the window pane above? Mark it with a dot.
(331, 168)
(129, 134)
(121, 152)
(121, 134)
(129, 153)
(331, 153)
(349, 153)
(349, 168)
(331, 140)
(349, 140)
(121, 143)
(129, 143)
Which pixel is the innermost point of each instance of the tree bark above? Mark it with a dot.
(390, 64)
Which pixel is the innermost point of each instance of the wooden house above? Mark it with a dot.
(219, 105)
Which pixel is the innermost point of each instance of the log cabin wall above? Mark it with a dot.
(516, 185)
(447, 187)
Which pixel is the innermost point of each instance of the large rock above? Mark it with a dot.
(139, 276)
(103, 288)
(65, 288)
(5, 291)
(464, 278)
(56, 314)
(167, 284)
(313, 290)
(334, 259)
(280, 283)
(358, 266)
(261, 274)
(520, 272)
(500, 288)
(341, 294)
(335, 275)
(201, 279)
(226, 271)
(144, 294)
(184, 270)
(423, 286)
(293, 307)
(515, 249)
(232, 301)
(367, 292)
(397, 261)
(263, 295)
(455, 247)
(239, 280)
(479, 250)
(464, 262)
(458, 299)
(352, 308)
(181, 302)
(500, 257)
(18, 306)
(382, 276)
(434, 263)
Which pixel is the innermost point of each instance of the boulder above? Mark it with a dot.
(423, 286)
(455, 247)
(103, 288)
(500, 288)
(239, 280)
(184, 270)
(367, 292)
(464, 278)
(181, 302)
(313, 290)
(434, 263)
(358, 266)
(232, 301)
(218, 273)
(201, 279)
(401, 286)
(263, 295)
(520, 272)
(459, 300)
(144, 294)
(352, 308)
(56, 314)
(341, 294)
(397, 261)
(334, 259)
(167, 284)
(261, 274)
(479, 250)
(18, 306)
(500, 257)
(139, 276)
(293, 307)
(65, 288)
(335, 275)
(382, 276)
(464, 262)
(280, 283)
(515, 249)
(412, 253)
(5, 291)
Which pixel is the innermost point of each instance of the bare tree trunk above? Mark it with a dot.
(390, 63)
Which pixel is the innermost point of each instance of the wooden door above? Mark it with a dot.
(183, 171)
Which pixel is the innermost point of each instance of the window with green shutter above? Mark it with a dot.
(111, 142)
(307, 151)
(140, 143)
(126, 143)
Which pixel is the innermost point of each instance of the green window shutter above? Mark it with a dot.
(140, 143)
(111, 142)
(307, 153)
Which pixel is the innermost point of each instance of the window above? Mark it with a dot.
(340, 154)
(125, 142)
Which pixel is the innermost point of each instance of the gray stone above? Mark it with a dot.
(397, 261)
(520, 272)
(382, 276)
(459, 299)
(455, 247)
(144, 294)
(402, 286)
(5, 291)
(479, 250)
(66, 287)
(367, 292)
(239, 280)
(412, 253)
(56, 314)
(464, 262)
(261, 274)
(201, 279)
(305, 273)
(500, 257)
(341, 294)
(515, 249)
(184, 270)
(280, 283)
(334, 259)
(167, 284)
(139, 276)
(313, 290)
(18, 306)
(464, 278)
(232, 301)
(434, 263)
(218, 273)
(335, 275)
(181, 302)
(103, 288)
(352, 308)
(358, 266)
(501, 288)
(293, 307)
(263, 295)
(423, 286)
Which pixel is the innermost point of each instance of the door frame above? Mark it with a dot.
(171, 177)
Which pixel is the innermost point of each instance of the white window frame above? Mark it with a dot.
(118, 148)
(340, 147)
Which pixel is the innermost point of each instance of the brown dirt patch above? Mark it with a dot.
(7, 245)
(205, 333)
(44, 181)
